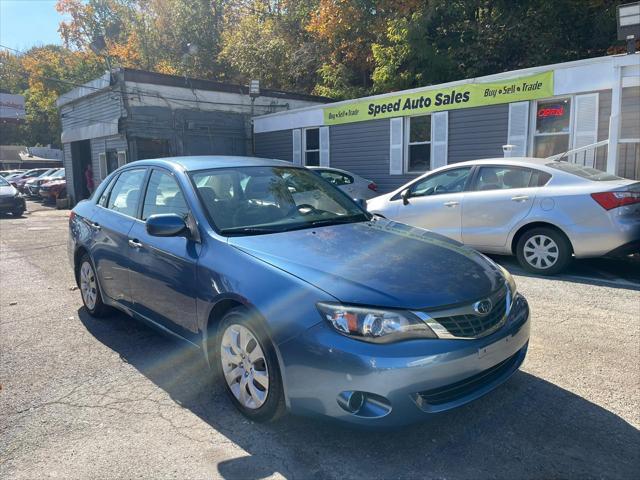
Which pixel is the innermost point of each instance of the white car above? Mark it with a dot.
(352, 184)
(542, 211)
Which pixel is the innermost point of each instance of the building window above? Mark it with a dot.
(552, 127)
(312, 147)
(418, 136)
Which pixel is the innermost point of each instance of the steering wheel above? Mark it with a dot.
(440, 189)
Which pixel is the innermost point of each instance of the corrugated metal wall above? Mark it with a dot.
(278, 144)
(476, 133)
(94, 109)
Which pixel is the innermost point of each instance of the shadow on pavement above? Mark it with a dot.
(619, 272)
(528, 428)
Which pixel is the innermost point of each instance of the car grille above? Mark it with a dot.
(463, 388)
(464, 322)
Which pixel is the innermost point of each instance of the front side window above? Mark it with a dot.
(419, 144)
(255, 200)
(449, 181)
(552, 127)
(163, 196)
(312, 147)
(499, 178)
(336, 178)
(126, 192)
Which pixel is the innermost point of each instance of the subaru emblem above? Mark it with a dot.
(483, 307)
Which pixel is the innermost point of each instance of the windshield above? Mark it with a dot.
(58, 174)
(256, 200)
(3, 182)
(583, 172)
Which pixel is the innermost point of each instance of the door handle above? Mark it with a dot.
(96, 226)
(451, 204)
(520, 198)
(135, 243)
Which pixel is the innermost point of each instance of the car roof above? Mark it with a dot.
(205, 162)
(517, 161)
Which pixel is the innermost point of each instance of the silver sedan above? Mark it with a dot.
(353, 185)
(544, 212)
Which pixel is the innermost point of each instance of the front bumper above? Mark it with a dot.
(405, 381)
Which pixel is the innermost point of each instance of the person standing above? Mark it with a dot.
(88, 177)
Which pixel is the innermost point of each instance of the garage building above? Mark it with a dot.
(588, 107)
(128, 115)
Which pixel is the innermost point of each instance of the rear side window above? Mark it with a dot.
(581, 171)
(336, 178)
(126, 192)
(539, 178)
(499, 178)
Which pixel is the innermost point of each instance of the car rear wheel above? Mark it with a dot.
(544, 251)
(89, 289)
(249, 367)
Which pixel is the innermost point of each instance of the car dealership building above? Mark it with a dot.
(588, 107)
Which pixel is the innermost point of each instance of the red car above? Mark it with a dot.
(53, 190)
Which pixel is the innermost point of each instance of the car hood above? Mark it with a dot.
(7, 191)
(381, 263)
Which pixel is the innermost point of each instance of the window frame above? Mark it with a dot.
(407, 143)
(473, 185)
(533, 117)
(145, 188)
(304, 146)
(112, 184)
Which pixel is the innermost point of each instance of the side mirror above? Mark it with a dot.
(165, 225)
(361, 202)
(405, 194)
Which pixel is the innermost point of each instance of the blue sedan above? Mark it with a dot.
(299, 299)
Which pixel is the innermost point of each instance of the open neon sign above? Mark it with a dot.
(555, 111)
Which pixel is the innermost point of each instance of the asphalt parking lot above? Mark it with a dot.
(86, 398)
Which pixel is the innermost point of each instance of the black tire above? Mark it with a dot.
(273, 407)
(18, 212)
(544, 266)
(99, 309)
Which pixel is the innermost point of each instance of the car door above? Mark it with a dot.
(163, 269)
(114, 217)
(499, 197)
(434, 202)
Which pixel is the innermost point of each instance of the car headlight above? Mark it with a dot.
(510, 281)
(373, 324)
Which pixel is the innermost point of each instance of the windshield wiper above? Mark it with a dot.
(337, 221)
(250, 230)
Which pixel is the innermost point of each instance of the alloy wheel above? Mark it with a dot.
(244, 366)
(88, 285)
(541, 252)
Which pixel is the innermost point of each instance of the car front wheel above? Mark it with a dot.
(543, 251)
(249, 367)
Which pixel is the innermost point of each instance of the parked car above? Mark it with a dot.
(7, 173)
(32, 186)
(352, 184)
(54, 189)
(297, 296)
(542, 211)
(19, 181)
(10, 199)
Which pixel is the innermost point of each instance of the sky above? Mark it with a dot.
(28, 23)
